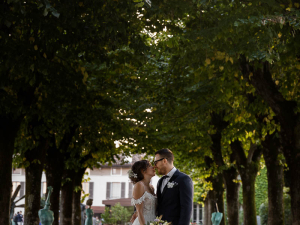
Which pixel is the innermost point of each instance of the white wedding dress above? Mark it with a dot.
(150, 202)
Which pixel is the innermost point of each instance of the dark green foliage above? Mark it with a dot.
(261, 189)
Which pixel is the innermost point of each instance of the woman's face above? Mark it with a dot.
(150, 171)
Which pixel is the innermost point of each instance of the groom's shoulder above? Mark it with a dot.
(183, 175)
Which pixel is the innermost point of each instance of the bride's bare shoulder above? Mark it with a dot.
(138, 190)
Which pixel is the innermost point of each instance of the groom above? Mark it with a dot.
(174, 190)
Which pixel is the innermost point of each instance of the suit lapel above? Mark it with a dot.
(175, 175)
(158, 190)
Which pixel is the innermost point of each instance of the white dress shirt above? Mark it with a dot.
(165, 181)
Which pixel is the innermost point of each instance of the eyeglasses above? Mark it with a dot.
(155, 162)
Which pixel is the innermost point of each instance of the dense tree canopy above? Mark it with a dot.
(215, 81)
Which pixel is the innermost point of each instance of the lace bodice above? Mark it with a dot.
(149, 208)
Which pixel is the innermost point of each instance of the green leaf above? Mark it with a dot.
(139, 5)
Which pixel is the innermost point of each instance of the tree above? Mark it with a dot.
(49, 45)
(240, 43)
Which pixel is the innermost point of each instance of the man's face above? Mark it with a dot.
(160, 164)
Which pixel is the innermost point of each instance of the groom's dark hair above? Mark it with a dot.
(166, 153)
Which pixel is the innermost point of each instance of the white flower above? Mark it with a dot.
(166, 223)
(151, 224)
(171, 184)
(132, 174)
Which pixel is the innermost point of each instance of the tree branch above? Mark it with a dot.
(253, 148)
(261, 79)
(219, 124)
(240, 156)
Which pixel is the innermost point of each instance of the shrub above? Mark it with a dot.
(116, 215)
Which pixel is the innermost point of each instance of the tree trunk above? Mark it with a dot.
(33, 174)
(208, 208)
(76, 214)
(230, 174)
(232, 195)
(214, 196)
(205, 219)
(249, 209)
(218, 193)
(261, 79)
(248, 168)
(8, 133)
(54, 173)
(295, 190)
(271, 150)
(67, 190)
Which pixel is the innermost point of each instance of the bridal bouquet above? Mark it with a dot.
(158, 221)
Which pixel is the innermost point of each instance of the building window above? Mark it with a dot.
(195, 213)
(201, 212)
(116, 171)
(130, 190)
(14, 187)
(16, 171)
(115, 190)
(88, 188)
(85, 188)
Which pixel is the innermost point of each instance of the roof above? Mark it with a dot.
(122, 201)
(98, 209)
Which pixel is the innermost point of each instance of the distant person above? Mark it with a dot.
(20, 218)
(89, 213)
(98, 222)
(15, 219)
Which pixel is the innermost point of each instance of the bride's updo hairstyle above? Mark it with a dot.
(135, 174)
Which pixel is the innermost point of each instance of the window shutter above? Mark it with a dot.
(123, 186)
(91, 190)
(108, 187)
(22, 190)
(130, 190)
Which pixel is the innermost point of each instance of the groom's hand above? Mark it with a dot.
(134, 216)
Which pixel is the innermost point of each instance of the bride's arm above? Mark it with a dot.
(138, 192)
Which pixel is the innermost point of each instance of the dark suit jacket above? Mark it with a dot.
(175, 204)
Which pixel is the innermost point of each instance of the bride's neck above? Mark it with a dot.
(147, 180)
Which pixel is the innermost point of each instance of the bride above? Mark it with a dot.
(144, 198)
